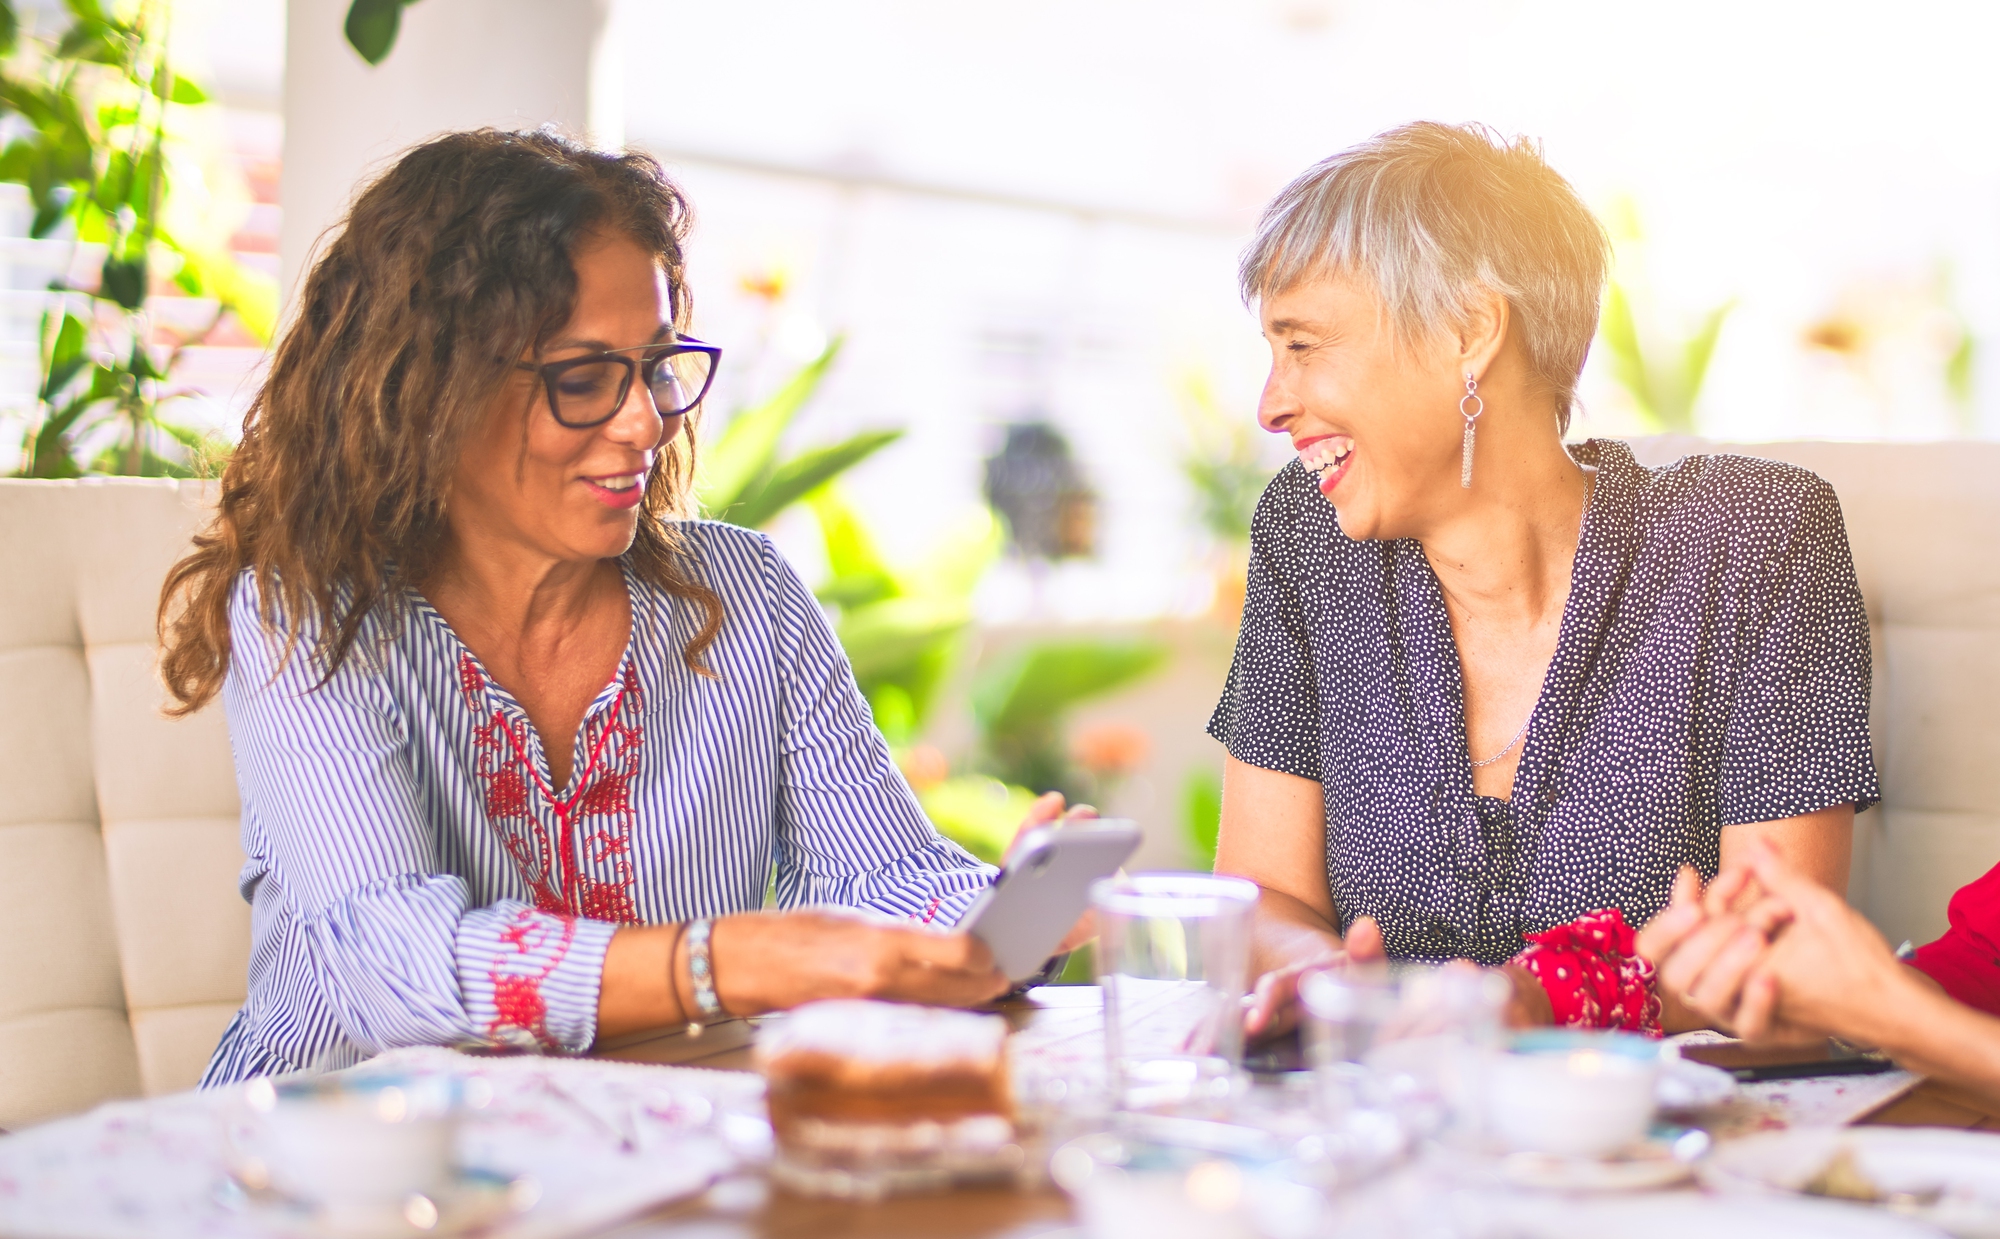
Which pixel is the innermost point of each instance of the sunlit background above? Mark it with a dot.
(1027, 217)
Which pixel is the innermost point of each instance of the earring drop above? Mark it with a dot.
(1478, 407)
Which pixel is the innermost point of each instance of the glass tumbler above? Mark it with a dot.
(1173, 958)
(1401, 1033)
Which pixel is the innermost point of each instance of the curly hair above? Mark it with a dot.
(451, 265)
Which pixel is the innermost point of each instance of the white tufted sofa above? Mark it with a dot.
(1924, 522)
(118, 830)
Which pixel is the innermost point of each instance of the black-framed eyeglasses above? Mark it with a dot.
(588, 391)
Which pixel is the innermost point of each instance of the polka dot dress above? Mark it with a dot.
(1712, 668)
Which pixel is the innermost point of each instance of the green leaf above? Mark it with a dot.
(49, 211)
(1039, 684)
(141, 363)
(96, 40)
(1628, 361)
(125, 281)
(1960, 370)
(856, 590)
(182, 91)
(66, 357)
(889, 639)
(372, 26)
(1695, 357)
(10, 28)
(851, 553)
(793, 479)
(50, 450)
(740, 461)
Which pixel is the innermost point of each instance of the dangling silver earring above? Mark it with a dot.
(1478, 407)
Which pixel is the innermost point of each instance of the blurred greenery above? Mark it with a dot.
(1201, 815)
(1662, 370)
(745, 481)
(1022, 701)
(1664, 379)
(89, 140)
(901, 625)
(1961, 366)
(1221, 464)
(977, 812)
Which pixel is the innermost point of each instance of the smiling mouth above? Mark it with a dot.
(1327, 458)
(619, 490)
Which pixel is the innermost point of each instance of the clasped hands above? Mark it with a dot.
(1771, 956)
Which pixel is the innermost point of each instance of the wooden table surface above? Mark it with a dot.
(747, 1209)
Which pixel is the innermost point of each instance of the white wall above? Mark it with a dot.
(458, 64)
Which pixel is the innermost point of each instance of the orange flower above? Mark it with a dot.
(1111, 749)
(923, 766)
(768, 285)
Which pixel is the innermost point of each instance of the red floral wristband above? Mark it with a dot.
(1592, 974)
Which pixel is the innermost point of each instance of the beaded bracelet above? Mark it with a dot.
(701, 969)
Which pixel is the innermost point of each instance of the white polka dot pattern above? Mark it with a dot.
(1712, 668)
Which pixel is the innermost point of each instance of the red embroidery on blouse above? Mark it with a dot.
(518, 1004)
(1593, 975)
(594, 823)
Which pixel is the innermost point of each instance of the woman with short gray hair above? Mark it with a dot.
(1491, 690)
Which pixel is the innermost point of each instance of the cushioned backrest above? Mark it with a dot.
(118, 827)
(1923, 519)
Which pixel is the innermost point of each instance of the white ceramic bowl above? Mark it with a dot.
(365, 1155)
(1573, 1094)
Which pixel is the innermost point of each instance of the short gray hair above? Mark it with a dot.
(1429, 213)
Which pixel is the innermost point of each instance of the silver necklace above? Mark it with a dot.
(1509, 747)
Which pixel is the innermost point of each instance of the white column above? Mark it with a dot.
(458, 64)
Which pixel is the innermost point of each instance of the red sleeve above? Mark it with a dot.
(1593, 974)
(1966, 961)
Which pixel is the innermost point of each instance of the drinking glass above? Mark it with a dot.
(1409, 1036)
(1173, 958)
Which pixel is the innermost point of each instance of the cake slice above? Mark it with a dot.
(868, 1097)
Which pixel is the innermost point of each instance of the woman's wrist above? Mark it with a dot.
(1529, 1005)
(751, 968)
(636, 988)
(1896, 1013)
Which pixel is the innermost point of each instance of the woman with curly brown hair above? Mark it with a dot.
(519, 744)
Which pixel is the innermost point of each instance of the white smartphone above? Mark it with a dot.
(1023, 916)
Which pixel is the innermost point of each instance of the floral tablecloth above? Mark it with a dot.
(589, 1142)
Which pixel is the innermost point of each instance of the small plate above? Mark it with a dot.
(475, 1201)
(1652, 1166)
(1646, 1167)
(1949, 1179)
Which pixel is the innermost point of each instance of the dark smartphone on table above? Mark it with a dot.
(1276, 1056)
(1789, 1062)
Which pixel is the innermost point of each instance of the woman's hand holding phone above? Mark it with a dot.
(1048, 809)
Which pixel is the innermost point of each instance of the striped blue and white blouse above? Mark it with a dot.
(416, 880)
